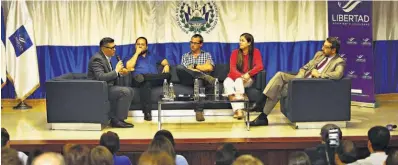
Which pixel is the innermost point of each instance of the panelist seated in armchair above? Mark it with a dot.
(144, 67)
(326, 64)
(100, 68)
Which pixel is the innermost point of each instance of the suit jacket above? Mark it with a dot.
(99, 69)
(333, 70)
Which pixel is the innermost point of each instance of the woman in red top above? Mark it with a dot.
(245, 63)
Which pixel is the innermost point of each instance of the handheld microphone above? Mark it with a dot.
(391, 127)
(118, 58)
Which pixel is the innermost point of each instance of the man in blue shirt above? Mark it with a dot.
(144, 67)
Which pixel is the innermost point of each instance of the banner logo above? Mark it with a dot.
(197, 18)
(366, 42)
(351, 41)
(349, 6)
(20, 40)
(352, 74)
(360, 58)
(366, 76)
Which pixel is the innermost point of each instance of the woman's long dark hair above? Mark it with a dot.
(249, 38)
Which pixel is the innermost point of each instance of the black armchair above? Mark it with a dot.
(317, 100)
(73, 102)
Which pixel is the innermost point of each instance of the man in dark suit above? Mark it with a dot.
(100, 68)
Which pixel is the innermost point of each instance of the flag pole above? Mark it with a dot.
(21, 105)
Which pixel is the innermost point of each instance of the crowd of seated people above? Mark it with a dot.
(333, 150)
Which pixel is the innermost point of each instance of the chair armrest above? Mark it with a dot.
(260, 80)
(302, 87)
(92, 88)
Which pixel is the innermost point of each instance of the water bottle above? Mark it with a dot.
(165, 89)
(216, 90)
(196, 90)
(171, 92)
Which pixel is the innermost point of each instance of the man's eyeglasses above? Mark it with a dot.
(112, 48)
(195, 43)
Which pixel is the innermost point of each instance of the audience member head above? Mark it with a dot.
(378, 139)
(299, 158)
(32, 155)
(247, 160)
(111, 141)
(161, 143)
(100, 155)
(76, 154)
(49, 158)
(392, 158)
(331, 46)
(107, 46)
(196, 42)
(5, 138)
(9, 156)
(156, 158)
(166, 134)
(345, 153)
(226, 154)
(325, 131)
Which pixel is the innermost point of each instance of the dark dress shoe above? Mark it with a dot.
(148, 116)
(261, 120)
(120, 124)
(127, 123)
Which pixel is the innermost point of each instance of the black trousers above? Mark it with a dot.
(187, 77)
(145, 82)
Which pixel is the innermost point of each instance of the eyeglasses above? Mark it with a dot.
(112, 48)
(195, 43)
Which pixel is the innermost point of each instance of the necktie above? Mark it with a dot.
(319, 66)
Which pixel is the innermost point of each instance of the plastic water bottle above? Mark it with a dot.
(171, 92)
(216, 90)
(196, 89)
(165, 89)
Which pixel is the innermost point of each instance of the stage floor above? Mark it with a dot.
(31, 124)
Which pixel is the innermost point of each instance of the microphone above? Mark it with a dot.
(390, 127)
(118, 58)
